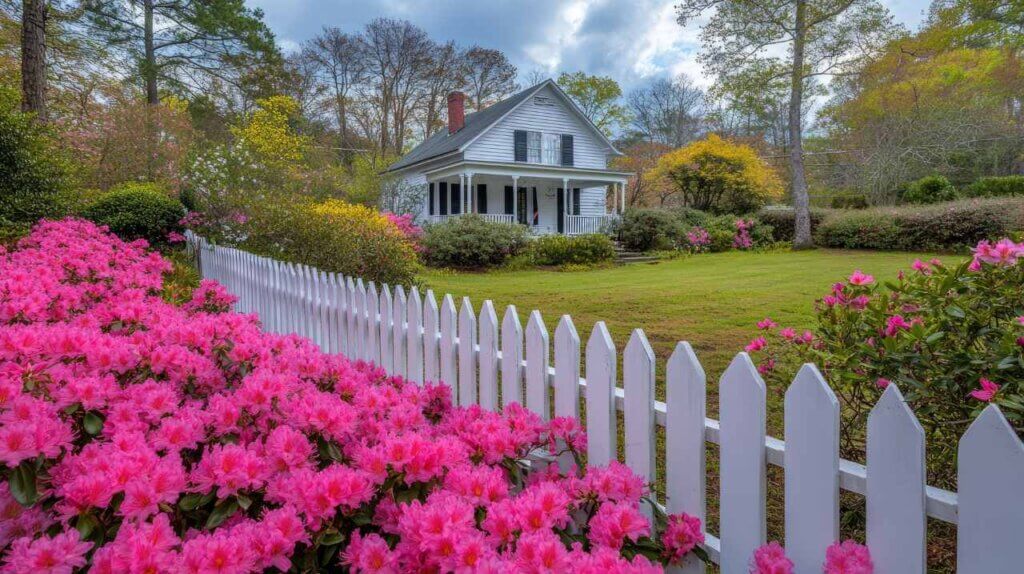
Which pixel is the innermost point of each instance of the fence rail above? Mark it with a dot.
(491, 217)
(419, 339)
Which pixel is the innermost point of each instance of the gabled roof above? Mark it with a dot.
(477, 123)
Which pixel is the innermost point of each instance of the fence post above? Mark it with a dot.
(567, 377)
(991, 503)
(414, 337)
(374, 320)
(467, 354)
(602, 420)
(896, 519)
(387, 349)
(742, 502)
(431, 370)
(511, 357)
(812, 469)
(638, 385)
(685, 462)
(488, 362)
(537, 361)
(362, 325)
(448, 346)
(398, 331)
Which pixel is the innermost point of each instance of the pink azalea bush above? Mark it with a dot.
(138, 436)
(951, 337)
(408, 228)
(742, 239)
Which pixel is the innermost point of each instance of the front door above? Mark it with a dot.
(521, 213)
(561, 210)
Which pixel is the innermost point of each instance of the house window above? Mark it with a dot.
(552, 149)
(533, 147)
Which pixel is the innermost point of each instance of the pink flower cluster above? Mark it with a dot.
(847, 557)
(742, 239)
(1003, 252)
(407, 228)
(698, 238)
(137, 436)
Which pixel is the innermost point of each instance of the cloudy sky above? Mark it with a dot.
(629, 40)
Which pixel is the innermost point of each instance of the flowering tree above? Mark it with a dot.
(137, 436)
(951, 337)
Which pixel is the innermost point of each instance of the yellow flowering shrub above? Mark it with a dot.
(333, 235)
(719, 176)
(269, 135)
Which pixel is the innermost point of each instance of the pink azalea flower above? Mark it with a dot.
(756, 345)
(682, 534)
(987, 391)
(859, 278)
(771, 559)
(848, 557)
(882, 383)
(766, 324)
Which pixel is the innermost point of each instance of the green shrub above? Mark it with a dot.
(936, 332)
(11, 232)
(690, 217)
(996, 186)
(579, 250)
(930, 189)
(32, 170)
(470, 242)
(649, 229)
(137, 211)
(783, 221)
(948, 226)
(849, 201)
(333, 236)
(721, 239)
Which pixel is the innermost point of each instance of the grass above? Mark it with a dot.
(713, 301)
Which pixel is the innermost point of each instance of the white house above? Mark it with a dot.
(518, 156)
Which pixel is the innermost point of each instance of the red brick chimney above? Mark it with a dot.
(456, 111)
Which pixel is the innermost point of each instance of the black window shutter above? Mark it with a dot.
(567, 153)
(509, 200)
(481, 198)
(575, 201)
(443, 189)
(456, 199)
(431, 200)
(520, 145)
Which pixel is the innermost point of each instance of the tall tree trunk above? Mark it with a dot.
(149, 66)
(33, 58)
(152, 96)
(801, 203)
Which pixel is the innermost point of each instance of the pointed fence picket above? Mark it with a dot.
(425, 342)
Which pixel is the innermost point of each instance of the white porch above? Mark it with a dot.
(527, 194)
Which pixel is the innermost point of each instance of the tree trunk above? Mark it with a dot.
(801, 203)
(149, 66)
(33, 58)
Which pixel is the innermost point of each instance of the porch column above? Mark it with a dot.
(515, 199)
(469, 190)
(565, 203)
(622, 189)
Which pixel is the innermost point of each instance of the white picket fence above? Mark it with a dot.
(412, 336)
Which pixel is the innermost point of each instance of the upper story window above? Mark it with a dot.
(544, 148)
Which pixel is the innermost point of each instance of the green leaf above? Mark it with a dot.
(331, 537)
(220, 513)
(244, 501)
(954, 311)
(190, 501)
(93, 423)
(935, 337)
(23, 483)
(86, 524)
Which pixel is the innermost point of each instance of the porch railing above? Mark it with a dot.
(429, 338)
(492, 217)
(580, 224)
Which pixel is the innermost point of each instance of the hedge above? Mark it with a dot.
(783, 221)
(138, 211)
(471, 242)
(947, 226)
(578, 250)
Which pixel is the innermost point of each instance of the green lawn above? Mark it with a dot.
(712, 300)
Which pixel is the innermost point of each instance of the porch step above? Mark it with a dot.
(629, 259)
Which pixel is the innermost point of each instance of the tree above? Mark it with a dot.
(490, 77)
(823, 37)
(598, 98)
(719, 176)
(33, 58)
(341, 67)
(447, 73)
(667, 111)
(639, 159)
(173, 41)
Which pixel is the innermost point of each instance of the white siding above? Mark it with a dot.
(497, 144)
